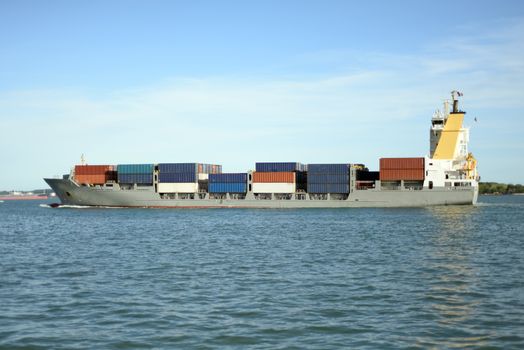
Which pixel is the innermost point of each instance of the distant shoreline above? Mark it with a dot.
(495, 188)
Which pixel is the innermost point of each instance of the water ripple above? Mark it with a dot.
(445, 277)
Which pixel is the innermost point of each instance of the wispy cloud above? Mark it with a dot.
(355, 114)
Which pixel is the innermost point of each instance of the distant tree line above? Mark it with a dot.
(498, 188)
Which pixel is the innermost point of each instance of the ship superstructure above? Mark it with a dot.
(447, 176)
(450, 163)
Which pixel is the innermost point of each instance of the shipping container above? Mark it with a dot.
(178, 187)
(401, 163)
(227, 187)
(93, 169)
(228, 177)
(402, 174)
(317, 178)
(199, 168)
(274, 187)
(135, 168)
(203, 177)
(368, 175)
(279, 166)
(91, 179)
(178, 167)
(285, 177)
(144, 179)
(328, 168)
(327, 188)
(177, 177)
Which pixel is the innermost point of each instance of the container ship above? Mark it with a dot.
(447, 176)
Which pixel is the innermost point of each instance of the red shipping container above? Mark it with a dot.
(402, 174)
(284, 177)
(93, 169)
(99, 179)
(401, 163)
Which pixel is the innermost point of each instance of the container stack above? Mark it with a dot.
(396, 169)
(183, 177)
(228, 183)
(94, 174)
(140, 174)
(277, 177)
(328, 178)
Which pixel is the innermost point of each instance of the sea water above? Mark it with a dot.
(440, 277)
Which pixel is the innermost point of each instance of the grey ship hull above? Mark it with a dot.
(72, 194)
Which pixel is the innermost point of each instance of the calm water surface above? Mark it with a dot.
(445, 277)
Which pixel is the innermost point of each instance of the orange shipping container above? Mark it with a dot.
(401, 174)
(401, 163)
(283, 177)
(91, 179)
(93, 169)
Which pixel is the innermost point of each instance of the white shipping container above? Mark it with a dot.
(181, 187)
(203, 176)
(274, 187)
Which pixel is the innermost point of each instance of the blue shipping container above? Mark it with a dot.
(177, 177)
(228, 177)
(316, 178)
(279, 166)
(145, 179)
(178, 167)
(135, 168)
(327, 188)
(328, 168)
(230, 187)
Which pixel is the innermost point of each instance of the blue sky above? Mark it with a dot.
(234, 82)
